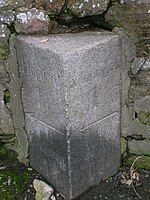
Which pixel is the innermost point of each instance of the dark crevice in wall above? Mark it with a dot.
(11, 27)
(67, 18)
(85, 23)
(134, 137)
(7, 95)
(135, 115)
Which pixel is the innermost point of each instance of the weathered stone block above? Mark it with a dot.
(71, 99)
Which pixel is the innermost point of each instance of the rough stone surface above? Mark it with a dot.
(142, 104)
(71, 98)
(11, 4)
(16, 104)
(140, 85)
(7, 17)
(6, 124)
(52, 6)
(32, 22)
(128, 54)
(139, 147)
(133, 126)
(87, 7)
(4, 32)
(4, 46)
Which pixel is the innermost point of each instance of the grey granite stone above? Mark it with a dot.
(71, 98)
(139, 147)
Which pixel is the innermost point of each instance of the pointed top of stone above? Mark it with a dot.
(67, 43)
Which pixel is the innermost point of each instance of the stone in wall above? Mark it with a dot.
(136, 111)
(52, 6)
(6, 124)
(7, 17)
(139, 147)
(134, 18)
(11, 4)
(4, 46)
(139, 93)
(132, 126)
(21, 146)
(4, 32)
(83, 8)
(128, 55)
(32, 22)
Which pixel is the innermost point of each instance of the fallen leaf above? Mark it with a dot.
(45, 40)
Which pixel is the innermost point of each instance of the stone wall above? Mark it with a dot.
(133, 16)
(130, 19)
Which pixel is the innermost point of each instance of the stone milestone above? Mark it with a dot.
(71, 99)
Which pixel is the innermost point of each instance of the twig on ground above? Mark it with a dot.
(131, 176)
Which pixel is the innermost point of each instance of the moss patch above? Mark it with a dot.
(14, 177)
(6, 96)
(4, 50)
(143, 163)
(144, 118)
(123, 146)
